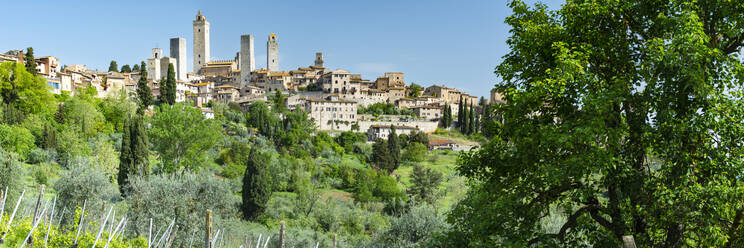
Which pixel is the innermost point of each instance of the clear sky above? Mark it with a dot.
(456, 43)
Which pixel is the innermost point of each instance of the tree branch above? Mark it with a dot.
(570, 223)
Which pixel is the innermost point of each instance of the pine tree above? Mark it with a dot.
(393, 149)
(136, 67)
(113, 67)
(256, 188)
(143, 90)
(126, 68)
(29, 61)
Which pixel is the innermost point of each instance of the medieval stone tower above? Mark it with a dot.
(178, 51)
(318, 59)
(247, 59)
(201, 41)
(272, 53)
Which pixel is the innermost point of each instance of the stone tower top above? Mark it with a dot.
(319, 59)
(199, 16)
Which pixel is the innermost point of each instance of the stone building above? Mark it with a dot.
(272, 53)
(178, 52)
(201, 42)
(332, 113)
(247, 59)
(383, 131)
(428, 112)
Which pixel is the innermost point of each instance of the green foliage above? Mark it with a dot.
(394, 150)
(70, 144)
(126, 68)
(414, 90)
(414, 152)
(446, 120)
(115, 110)
(81, 114)
(184, 197)
(259, 117)
(83, 183)
(416, 228)
(134, 156)
(279, 102)
(168, 87)
(182, 136)
(624, 115)
(11, 174)
(425, 184)
(30, 61)
(136, 68)
(348, 139)
(144, 93)
(383, 109)
(113, 67)
(235, 159)
(381, 156)
(25, 91)
(256, 189)
(16, 139)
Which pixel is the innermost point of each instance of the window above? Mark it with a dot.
(198, 30)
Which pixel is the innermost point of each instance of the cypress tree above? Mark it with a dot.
(140, 147)
(256, 188)
(460, 113)
(133, 159)
(394, 149)
(143, 90)
(125, 156)
(471, 122)
(29, 61)
(168, 87)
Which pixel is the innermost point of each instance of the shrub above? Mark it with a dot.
(185, 197)
(11, 174)
(83, 182)
(413, 229)
(414, 152)
(16, 139)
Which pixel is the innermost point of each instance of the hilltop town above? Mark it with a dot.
(331, 97)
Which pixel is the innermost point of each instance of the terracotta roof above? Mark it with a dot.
(388, 126)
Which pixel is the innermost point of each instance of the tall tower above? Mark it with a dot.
(318, 59)
(178, 51)
(201, 41)
(153, 64)
(247, 59)
(272, 53)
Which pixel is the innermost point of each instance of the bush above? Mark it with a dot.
(184, 197)
(16, 139)
(83, 182)
(38, 155)
(415, 152)
(413, 229)
(11, 174)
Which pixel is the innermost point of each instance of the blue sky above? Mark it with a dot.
(456, 43)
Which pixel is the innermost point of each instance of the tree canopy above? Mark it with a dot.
(182, 136)
(621, 118)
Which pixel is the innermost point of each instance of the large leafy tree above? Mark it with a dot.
(24, 91)
(182, 136)
(621, 118)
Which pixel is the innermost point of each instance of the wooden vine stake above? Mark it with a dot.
(208, 229)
